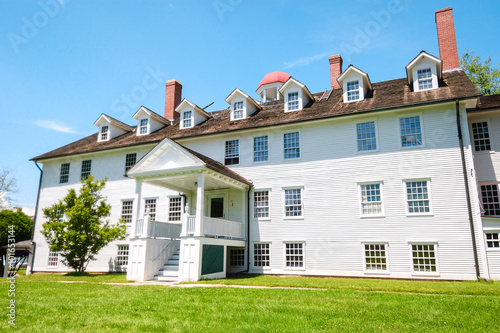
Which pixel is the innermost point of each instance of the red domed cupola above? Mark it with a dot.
(268, 88)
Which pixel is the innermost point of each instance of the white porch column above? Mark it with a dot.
(200, 201)
(184, 221)
(147, 218)
(137, 200)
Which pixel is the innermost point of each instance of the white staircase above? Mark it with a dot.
(170, 271)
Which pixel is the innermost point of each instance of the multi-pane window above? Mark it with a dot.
(53, 260)
(293, 101)
(187, 119)
(261, 255)
(260, 149)
(237, 257)
(411, 132)
(371, 199)
(64, 174)
(293, 202)
(353, 91)
(232, 153)
(366, 136)
(143, 127)
(150, 207)
(481, 136)
(130, 160)
(424, 258)
(417, 194)
(490, 200)
(104, 133)
(127, 208)
(86, 168)
(424, 79)
(238, 110)
(175, 209)
(493, 240)
(375, 257)
(294, 255)
(261, 204)
(122, 255)
(291, 145)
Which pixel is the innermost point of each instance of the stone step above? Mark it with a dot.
(165, 279)
(170, 268)
(168, 273)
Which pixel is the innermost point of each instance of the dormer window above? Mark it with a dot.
(238, 110)
(353, 91)
(293, 101)
(104, 133)
(187, 120)
(424, 79)
(143, 127)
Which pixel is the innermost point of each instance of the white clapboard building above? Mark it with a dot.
(393, 179)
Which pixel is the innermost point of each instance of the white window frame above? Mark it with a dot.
(131, 211)
(170, 197)
(486, 240)
(119, 254)
(386, 249)
(230, 257)
(411, 115)
(357, 90)
(52, 255)
(235, 110)
(430, 78)
(283, 190)
(104, 133)
(268, 190)
(300, 146)
(144, 207)
(490, 134)
(291, 268)
(429, 196)
(268, 149)
(288, 93)
(374, 121)
(269, 244)
(66, 174)
(436, 257)
(142, 127)
(127, 161)
(190, 119)
(239, 152)
(360, 192)
(482, 203)
(84, 173)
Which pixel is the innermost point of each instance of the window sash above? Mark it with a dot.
(175, 209)
(411, 132)
(53, 259)
(417, 194)
(293, 101)
(104, 132)
(261, 204)
(492, 240)
(291, 145)
(261, 255)
(293, 202)
(64, 174)
(260, 149)
(122, 255)
(353, 91)
(294, 255)
(490, 199)
(151, 204)
(366, 136)
(237, 257)
(130, 160)
(187, 119)
(232, 152)
(481, 136)
(371, 199)
(375, 257)
(86, 169)
(143, 128)
(424, 258)
(238, 110)
(424, 79)
(127, 209)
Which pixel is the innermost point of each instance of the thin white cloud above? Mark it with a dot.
(55, 126)
(305, 61)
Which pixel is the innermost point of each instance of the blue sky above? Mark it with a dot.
(64, 62)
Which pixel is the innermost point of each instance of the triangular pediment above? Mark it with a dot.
(166, 157)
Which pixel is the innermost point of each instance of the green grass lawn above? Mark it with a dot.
(345, 305)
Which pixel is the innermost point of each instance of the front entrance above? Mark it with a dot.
(217, 204)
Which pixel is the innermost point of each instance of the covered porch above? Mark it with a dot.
(214, 215)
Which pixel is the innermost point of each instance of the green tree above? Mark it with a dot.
(481, 73)
(77, 228)
(21, 222)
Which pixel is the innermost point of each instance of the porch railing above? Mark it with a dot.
(158, 229)
(191, 224)
(214, 227)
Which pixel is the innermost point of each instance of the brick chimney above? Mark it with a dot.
(446, 38)
(173, 97)
(335, 69)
